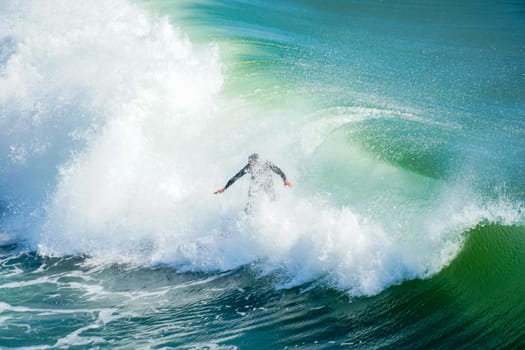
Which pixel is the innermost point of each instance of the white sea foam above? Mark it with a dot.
(4, 307)
(130, 113)
(75, 338)
(32, 282)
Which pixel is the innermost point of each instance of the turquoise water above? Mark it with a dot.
(401, 125)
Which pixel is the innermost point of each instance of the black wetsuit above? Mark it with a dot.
(261, 177)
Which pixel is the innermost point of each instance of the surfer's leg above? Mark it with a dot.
(270, 192)
(252, 194)
(248, 209)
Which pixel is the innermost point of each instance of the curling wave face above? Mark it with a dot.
(115, 131)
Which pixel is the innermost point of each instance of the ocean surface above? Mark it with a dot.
(400, 123)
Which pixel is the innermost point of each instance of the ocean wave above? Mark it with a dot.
(115, 134)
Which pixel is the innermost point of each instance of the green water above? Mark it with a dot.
(474, 303)
(401, 125)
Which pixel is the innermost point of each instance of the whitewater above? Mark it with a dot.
(116, 128)
(132, 174)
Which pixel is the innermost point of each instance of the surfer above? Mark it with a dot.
(261, 178)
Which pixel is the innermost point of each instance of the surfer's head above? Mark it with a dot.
(253, 158)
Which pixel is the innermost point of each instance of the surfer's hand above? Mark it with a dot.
(288, 183)
(219, 191)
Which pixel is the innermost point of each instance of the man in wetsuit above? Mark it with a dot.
(261, 176)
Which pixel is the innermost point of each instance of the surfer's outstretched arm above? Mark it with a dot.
(233, 179)
(279, 172)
